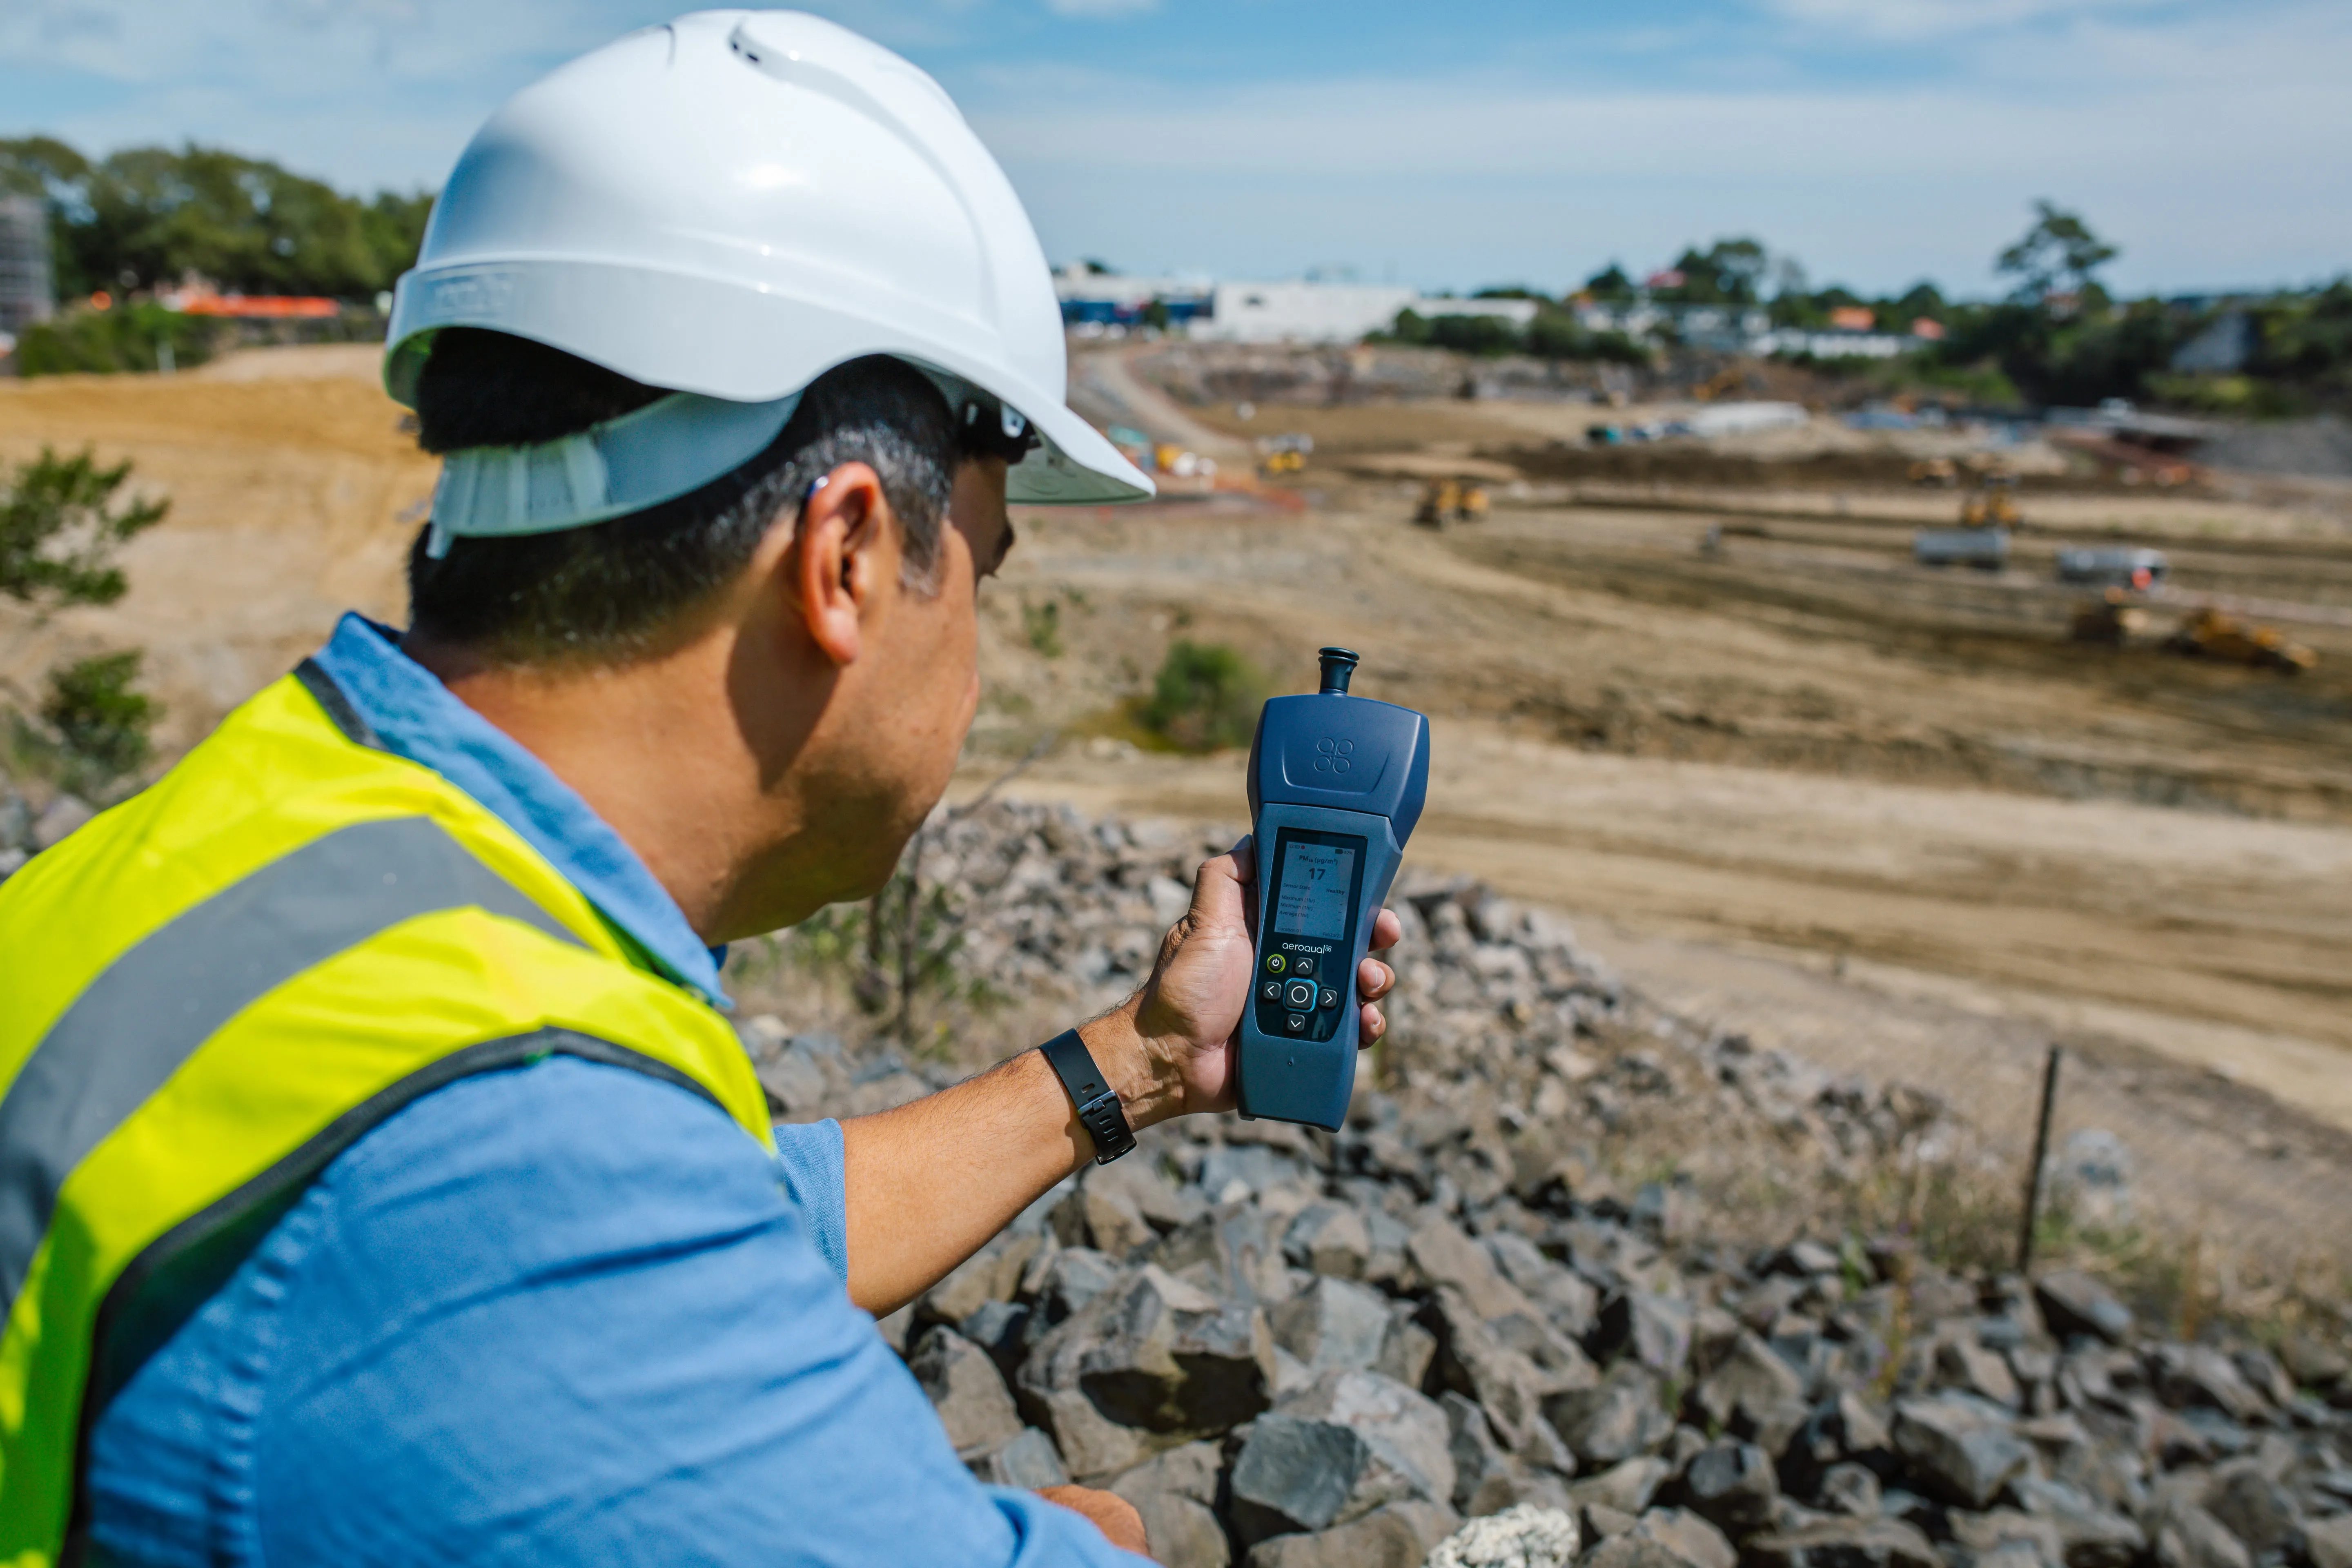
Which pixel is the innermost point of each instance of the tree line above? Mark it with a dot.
(2057, 336)
(147, 217)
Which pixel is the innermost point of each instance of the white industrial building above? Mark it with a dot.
(1331, 312)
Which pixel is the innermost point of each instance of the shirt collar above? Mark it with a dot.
(417, 717)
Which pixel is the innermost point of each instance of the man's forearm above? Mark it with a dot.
(927, 1184)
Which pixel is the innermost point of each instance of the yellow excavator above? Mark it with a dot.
(1451, 500)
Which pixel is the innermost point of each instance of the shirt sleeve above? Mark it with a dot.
(568, 1315)
(810, 1156)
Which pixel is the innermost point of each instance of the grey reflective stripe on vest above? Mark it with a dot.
(153, 1007)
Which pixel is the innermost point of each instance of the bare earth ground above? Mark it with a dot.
(1798, 787)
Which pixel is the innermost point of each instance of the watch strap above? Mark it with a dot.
(1098, 1109)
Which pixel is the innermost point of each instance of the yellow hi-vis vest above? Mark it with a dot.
(215, 988)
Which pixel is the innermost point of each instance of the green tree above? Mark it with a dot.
(144, 217)
(1610, 284)
(60, 528)
(2058, 253)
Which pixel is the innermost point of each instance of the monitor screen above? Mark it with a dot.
(1312, 897)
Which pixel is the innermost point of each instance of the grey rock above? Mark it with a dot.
(2191, 1538)
(1957, 1448)
(1399, 1535)
(1331, 1325)
(1653, 1330)
(1841, 1429)
(1407, 1352)
(1328, 1239)
(64, 815)
(1850, 1488)
(1162, 1204)
(1000, 1328)
(1750, 1375)
(1472, 1360)
(1627, 1488)
(1844, 1544)
(1600, 1522)
(2315, 1364)
(2328, 1542)
(2073, 1303)
(1058, 1282)
(1252, 1165)
(2251, 1506)
(1568, 1301)
(1667, 1538)
(1027, 1460)
(1471, 1443)
(1446, 1257)
(2263, 1374)
(795, 1082)
(993, 1274)
(1731, 1486)
(1156, 1354)
(2090, 1535)
(11, 862)
(2006, 1530)
(15, 822)
(2189, 1377)
(1517, 1485)
(1176, 1493)
(1104, 1217)
(1803, 1257)
(964, 1386)
(1616, 1420)
(1970, 1367)
(1230, 1252)
(1348, 1444)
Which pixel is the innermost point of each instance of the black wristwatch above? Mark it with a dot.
(1098, 1103)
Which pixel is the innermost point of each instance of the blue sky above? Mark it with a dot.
(1450, 146)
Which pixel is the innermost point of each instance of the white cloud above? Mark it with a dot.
(1906, 20)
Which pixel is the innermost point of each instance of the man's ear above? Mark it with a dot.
(843, 553)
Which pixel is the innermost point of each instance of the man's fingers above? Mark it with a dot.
(1220, 891)
(1386, 930)
(1374, 980)
(1375, 1024)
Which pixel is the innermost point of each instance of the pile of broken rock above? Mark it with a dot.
(1291, 1350)
(1283, 1353)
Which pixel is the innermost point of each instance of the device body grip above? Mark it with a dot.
(1307, 1072)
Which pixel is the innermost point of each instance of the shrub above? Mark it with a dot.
(126, 338)
(59, 530)
(1206, 696)
(100, 724)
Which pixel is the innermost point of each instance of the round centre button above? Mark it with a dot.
(1299, 993)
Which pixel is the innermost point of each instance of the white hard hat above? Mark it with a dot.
(730, 206)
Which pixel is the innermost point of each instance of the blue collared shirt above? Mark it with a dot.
(561, 1315)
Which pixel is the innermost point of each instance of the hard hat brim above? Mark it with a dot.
(718, 338)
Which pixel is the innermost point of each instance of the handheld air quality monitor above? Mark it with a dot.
(1336, 784)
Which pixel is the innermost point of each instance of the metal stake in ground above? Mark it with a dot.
(2040, 1156)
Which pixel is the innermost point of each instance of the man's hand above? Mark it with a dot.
(1181, 1028)
(1108, 1512)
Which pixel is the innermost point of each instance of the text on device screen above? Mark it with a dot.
(1311, 899)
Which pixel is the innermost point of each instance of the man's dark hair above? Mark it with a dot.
(603, 593)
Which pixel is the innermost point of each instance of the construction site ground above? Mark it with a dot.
(1795, 785)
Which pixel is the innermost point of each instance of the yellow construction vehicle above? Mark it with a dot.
(1451, 500)
(1992, 505)
(2210, 634)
